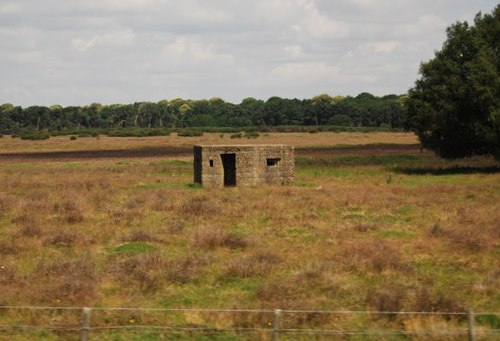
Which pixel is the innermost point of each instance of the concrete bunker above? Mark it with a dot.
(243, 165)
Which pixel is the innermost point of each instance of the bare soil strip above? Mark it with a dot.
(172, 152)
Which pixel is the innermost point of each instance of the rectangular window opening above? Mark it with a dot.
(272, 161)
(211, 163)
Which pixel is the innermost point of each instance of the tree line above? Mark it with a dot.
(364, 110)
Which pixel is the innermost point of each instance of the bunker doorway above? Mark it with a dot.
(229, 165)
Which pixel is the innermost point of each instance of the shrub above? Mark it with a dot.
(236, 136)
(251, 134)
(31, 230)
(71, 210)
(65, 281)
(185, 269)
(35, 135)
(388, 298)
(429, 300)
(189, 132)
(144, 269)
(72, 137)
(8, 247)
(62, 237)
(141, 236)
(137, 132)
(259, 263)
(6, 203)
(198, 206)
(373, 255)
(212, 238)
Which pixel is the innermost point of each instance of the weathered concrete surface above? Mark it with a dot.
(243, 165)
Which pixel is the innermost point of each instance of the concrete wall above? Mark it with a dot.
(253, 164)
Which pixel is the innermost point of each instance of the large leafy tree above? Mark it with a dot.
(454, 107)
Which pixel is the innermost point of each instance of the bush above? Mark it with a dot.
(72, 137)
(35, 135)
(251, 134)
(212, 238)
(137, 132)
(189, 132)
(236, 136)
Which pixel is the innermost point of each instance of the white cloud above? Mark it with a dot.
(184, 49)
(384, 46)
(302, 72)
(76, 52)
(108, 40)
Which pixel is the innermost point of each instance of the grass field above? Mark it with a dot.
(371, 223)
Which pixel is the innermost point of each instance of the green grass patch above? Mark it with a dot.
(172, 163)
(134, 248)
(73, 165)
(127, 162)
(490, 320)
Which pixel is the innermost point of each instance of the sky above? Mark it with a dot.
(76, 52)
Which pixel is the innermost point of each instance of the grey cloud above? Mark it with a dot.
(77, 52)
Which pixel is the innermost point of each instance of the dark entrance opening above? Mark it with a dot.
(229, 165)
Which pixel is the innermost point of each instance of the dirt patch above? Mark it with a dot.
(72, 155)
(182, 152)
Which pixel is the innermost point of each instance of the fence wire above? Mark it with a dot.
(85, 324)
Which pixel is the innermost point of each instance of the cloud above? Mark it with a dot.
(383, 46)
(112, 39)
(76, 52)
(184, 49)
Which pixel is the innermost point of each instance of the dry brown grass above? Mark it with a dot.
(212, 238)
(63, 281)
(258, 264)
(342, 237)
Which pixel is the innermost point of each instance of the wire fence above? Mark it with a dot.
(84, 324)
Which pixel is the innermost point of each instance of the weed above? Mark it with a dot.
(64, 281)
(8, 247)
(6, 204)
(144, 269)
(71, 210)
(429, 300)
(212, 238)
(63, 237)
(260, 263)
(198, 206)
(185, 269)
(387, 298)
(31, 229)
(373, 255)
(141, 236)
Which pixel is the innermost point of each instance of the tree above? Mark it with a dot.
(454, 107)
(340, 120)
